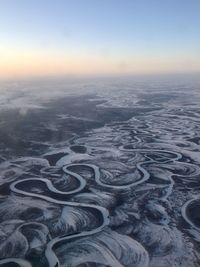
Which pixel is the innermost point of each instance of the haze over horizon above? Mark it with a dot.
(53, 38)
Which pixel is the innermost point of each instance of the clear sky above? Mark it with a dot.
(56, 37)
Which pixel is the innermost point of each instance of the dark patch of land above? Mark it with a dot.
(30, 133)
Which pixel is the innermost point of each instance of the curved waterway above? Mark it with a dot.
(119, 194)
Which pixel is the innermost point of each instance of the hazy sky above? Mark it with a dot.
(55, 37)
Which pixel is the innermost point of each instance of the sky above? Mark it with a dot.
(98, 37)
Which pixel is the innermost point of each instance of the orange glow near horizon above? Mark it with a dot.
(29, 63)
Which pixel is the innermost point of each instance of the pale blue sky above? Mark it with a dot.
(120, 31)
